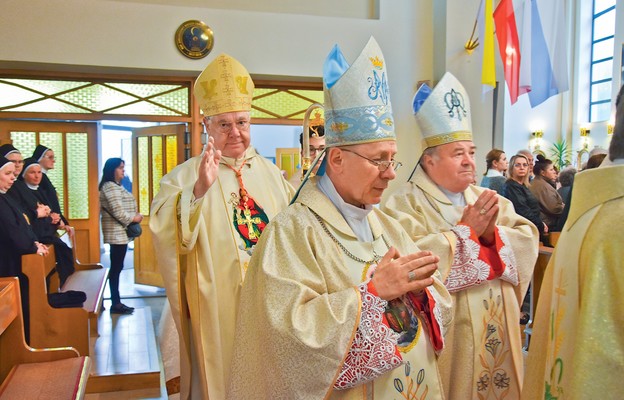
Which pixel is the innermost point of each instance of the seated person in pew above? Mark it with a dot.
(16, 236)
(12, 154)
(45, 223)
(44, 156)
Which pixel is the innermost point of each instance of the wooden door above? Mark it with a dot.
(287, 159)
(75, 174)
(155, 151)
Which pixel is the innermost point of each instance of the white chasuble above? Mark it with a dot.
(483, 356)
(309, 328)
(577, 346)
(203, 248)
(418, 376)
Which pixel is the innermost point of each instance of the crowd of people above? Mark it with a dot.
(323, 290)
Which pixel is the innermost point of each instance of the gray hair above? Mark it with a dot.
(566, 176)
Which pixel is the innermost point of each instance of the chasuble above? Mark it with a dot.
(311, 325)
(483, 359)
(577, 346)
(203, 248)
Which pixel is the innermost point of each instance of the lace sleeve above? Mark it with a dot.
(373, 351)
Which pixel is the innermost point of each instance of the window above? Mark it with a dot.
(601, 69)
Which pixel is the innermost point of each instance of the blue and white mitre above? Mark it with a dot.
(357, 98)
(443, 114)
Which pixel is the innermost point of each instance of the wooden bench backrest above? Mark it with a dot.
(52, 327)
(11, 328)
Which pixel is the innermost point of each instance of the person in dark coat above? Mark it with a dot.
(516, 189)
(12, 154)
(44, 156)
(36, 205)
(16, 237)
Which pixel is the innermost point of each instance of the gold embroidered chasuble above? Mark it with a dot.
(203, 260)
(483, 357)
(301, 307)
(577, 346)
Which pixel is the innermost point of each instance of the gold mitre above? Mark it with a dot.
(443, 114)
(224, 86)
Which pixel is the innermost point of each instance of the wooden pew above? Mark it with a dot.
(57, 327)
(30, 373)
(543, 257)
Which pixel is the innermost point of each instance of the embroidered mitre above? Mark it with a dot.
(224, 86)
(443, 114)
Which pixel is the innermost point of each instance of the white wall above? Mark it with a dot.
(466, 67)
(105, 34)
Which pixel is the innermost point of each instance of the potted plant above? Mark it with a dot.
(560, 153)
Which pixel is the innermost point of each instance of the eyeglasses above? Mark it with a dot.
(521, 165)
(50, 158)
(314, 150)
(17, 162)
(227, 127)
(381, 165)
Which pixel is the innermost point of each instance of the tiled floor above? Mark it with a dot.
(127, 342)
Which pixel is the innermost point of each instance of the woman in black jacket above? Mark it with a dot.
(16, 237)
(516, 189)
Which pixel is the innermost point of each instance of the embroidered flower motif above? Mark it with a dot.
(483, 383)
(492, 345)
(490, 330)
(501, 380)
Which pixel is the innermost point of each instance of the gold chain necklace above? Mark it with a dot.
(374, 260)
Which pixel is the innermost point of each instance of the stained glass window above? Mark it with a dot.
(143, 168)
(171, 152)
(88, 97)
(77, 175)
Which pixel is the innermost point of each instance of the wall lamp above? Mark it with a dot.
(585, 137)
(610, 126)
(536, 139)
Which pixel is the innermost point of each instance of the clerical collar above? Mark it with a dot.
(493, 172)
(356, 217)
(2, 191)
(33, 187)
(457, 199)
(44, 170)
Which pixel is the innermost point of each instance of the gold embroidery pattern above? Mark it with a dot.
(552, 388)
(494, 381)
(407, 389)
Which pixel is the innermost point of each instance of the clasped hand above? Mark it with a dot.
(482, 215)
(396, 275)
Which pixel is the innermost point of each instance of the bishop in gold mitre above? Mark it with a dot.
(206, 220)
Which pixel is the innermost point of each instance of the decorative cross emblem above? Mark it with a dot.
(249, 221)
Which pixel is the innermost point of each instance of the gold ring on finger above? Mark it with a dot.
(483, 211)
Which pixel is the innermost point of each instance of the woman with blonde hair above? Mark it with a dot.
(516, 189)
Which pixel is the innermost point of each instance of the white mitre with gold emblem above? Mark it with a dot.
(357, 98)
(443, 114)
(224, 86)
